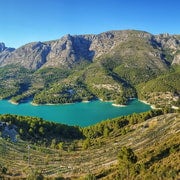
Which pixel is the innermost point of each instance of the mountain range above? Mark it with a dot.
(71, 49)
(113, 65)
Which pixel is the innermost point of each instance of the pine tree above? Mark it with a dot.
(127, 160)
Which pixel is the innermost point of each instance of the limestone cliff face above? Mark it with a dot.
(30, 56)
(106, 42)
(69, 50)
(170, 43)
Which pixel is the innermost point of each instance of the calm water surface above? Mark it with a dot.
(82, 114)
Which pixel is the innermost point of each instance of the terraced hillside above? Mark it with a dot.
(155, 142)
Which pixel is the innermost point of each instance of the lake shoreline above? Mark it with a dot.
(145, 102)
(14, 103)
(113, 104)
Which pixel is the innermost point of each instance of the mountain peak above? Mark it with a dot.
(2, 46)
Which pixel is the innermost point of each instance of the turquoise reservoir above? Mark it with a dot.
(81, 114)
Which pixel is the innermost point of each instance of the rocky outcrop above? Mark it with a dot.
(2, 47)
(176, 59)
(8, 131)
(4, 52)
(69, 50)
(168, 41)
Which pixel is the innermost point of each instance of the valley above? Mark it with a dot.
(115, 67)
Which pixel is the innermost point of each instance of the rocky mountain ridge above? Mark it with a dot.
(69, 50)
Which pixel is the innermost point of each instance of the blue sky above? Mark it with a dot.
(24, 21)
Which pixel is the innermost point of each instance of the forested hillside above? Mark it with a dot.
(115, 65)
(162, 91)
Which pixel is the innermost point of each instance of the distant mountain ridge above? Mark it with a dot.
(110, 66)
(69, 50)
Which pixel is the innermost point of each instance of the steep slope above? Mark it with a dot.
(135, 60)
